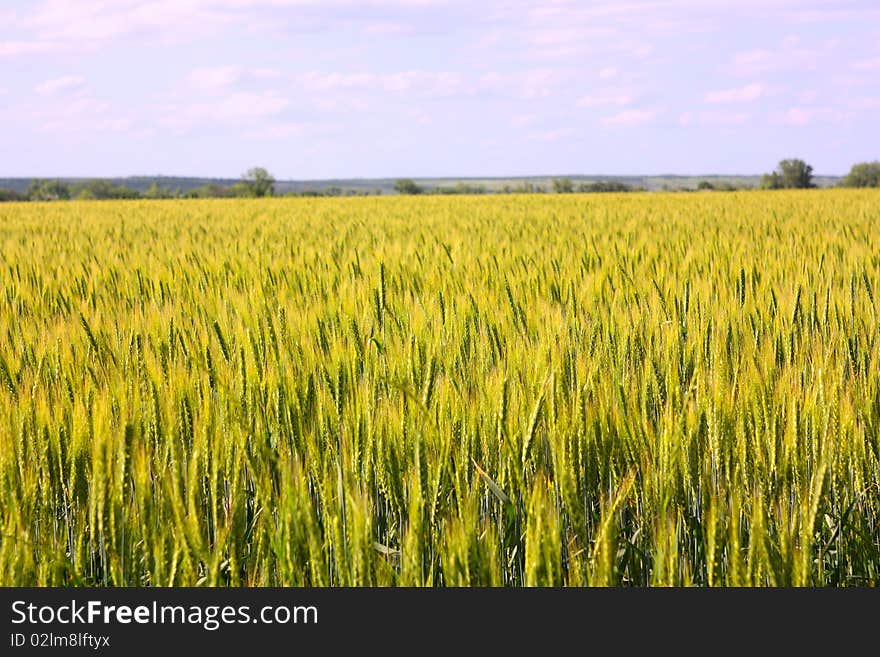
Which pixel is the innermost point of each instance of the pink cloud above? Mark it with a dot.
(214, 78)
(288, 131)
(867, 64)
(240, 106)
(714, 118)
(422, 83)
(631, 117)
(522, 120)
(528, 84)
(551, 136)
(604, 99)
(17, 48)
(748, 93)
(802, 116)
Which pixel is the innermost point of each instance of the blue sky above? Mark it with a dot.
(332, 88)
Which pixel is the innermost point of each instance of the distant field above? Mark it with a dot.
(508, 390)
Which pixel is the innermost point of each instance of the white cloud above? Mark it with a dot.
(288, 131)
(239, 106)
(89, 21)
(387, 28)
(551, 136)
(16, 48)
(315, 81)
(759, 61)
(798, 116)
(60, 85)
(714, 118)
(631, 117)
(522, 120)
(266, 73)
(433, 84)
(608, 73)
(565, 39)
(214, 78)
(830, 14)
(222, 78)
(76, 25)
(748, 93)
(831, 44)
(867, 64)
(79, 116)
(85, 105)
(790, 55)
(751, 60)
(802, 116)
(528, 84)
(604, 99)
(114, 125)
(279, 131)
(807, 96)
(421, 82)
(866, 103)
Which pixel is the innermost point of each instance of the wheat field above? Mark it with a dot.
(565, 390)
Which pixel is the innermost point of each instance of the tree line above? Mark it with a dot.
(789, 174)
(407, 186)
(797, 174)
(255, 183)
(258, 182)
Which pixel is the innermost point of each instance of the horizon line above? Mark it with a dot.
(405, 177)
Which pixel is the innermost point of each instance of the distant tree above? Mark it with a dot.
(465, 188)
(210, 190)
(48, 190)
(790, 174)
(259, 182)
(563, 186)
(241, 189)
(770, 181)
(10, 195)
(103, 190)
(863, 174)
(796, 174)
(460, 188)
(705, 185)
(155, 191)
(407, 186)
(605, 186)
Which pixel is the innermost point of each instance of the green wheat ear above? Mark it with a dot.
(622, 390)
